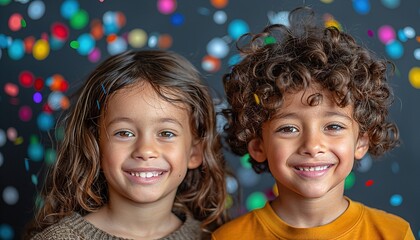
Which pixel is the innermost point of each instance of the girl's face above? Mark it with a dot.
(310, 149)
(146, 146)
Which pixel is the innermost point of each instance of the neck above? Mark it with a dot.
(301, 212)
(136, 221)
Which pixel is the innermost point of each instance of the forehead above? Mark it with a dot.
(138, 98)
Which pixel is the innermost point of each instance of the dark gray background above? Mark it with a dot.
(190, 40)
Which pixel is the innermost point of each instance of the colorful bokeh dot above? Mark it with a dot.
(255, 200)
(414, 77)
(349, 181)
(166, 6)
(396, 200)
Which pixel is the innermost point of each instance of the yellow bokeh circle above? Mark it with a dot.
(414, 77)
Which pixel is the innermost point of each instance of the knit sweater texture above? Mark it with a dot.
(76, 227)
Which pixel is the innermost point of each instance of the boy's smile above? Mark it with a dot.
(310, 149)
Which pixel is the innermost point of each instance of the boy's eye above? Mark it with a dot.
(334, 127)
(287, 129)
(166, 134)
(124, 134)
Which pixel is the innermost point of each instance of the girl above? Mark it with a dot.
(141, 157)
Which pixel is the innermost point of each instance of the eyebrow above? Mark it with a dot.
(130, 120)
(327, 114)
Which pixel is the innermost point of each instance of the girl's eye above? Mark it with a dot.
(334, 127)
(287, 129)
(124, 134)
(166, 134)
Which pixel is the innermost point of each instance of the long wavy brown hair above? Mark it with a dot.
(75, 183)
(287, 59)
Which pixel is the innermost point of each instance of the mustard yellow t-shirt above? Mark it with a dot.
(357, 222)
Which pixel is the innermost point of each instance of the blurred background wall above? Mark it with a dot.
(48, 47)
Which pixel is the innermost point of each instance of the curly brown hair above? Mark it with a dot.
(75, 182)
(287, 59)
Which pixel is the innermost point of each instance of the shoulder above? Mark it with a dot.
(61, 230)
(384, 223)
(190, 229)
(377, 215)
(239, 226)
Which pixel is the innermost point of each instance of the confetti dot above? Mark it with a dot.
(350, 180)
(96, 29)
(219, 3)
(29, 43)
(4, 2)
(11, 89)
(219, 17)
(395, 167)
(95, 55)
(74, 44)
(245, 161)
(26, 79)
(39, 84)
(15, 22)
(10, 195)
(137, 38)
(166, 6)
(41, 49)
(11, 133)
(60, 31)
(414, 77)
(177, 19)
(34, 179)
(234, 59)
(361, 6)
(394, 49)
(45, 121)
(79, 20)
(165, 41)
(50, 156)
(396, 200)
(6, 231)
(210, 64)
(217, 48)
(237, 28)
(69, 8)
(369, 183)
(231, 185)
(86, 44)
(3, 138)
(16, 49)
(255, 200)
(25, 113)
(36, 152)
(409, 32)
(370, 33)
(364, 164)
(117, 46)
(386, 34)
(36, 10)
(391, 4)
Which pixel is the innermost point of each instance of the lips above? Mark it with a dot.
(313, 171)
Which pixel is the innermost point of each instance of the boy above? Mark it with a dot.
(305, 103)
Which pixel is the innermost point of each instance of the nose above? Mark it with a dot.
(312, 143)
(145, 149)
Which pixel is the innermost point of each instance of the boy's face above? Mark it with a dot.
(146, 146)
(310, 149)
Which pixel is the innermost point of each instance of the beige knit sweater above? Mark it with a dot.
(76, 227)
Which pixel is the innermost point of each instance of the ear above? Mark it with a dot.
(196, 155)
(362, 146)
(256, 150)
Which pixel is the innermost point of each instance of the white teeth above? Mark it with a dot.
(145, 174)
(311, 169)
